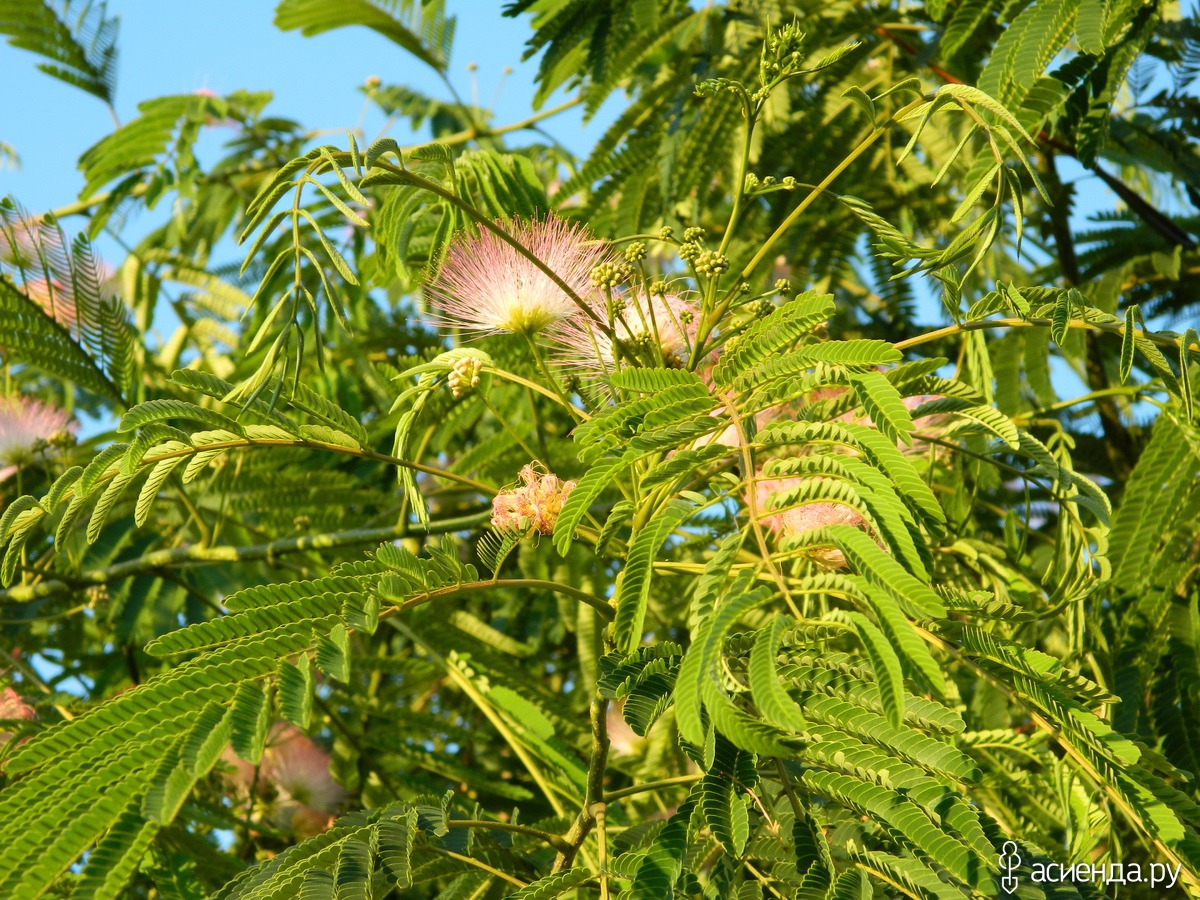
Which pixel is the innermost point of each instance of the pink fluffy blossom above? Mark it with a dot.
(648, 328)
(54, 298)
(790, 411)
(487, 286)
(25, 426)
(295, 770)
(12, 707)
(799, 520)
(622, 739)
(534, 503)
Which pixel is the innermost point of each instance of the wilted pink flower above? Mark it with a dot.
(661, 326)
(25, 425)
(296, 770)
(801, 519)
(13, 707)
(535, 503)
(487, 286)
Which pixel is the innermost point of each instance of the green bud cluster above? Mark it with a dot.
(783, 53)
(783, 287)
(689, 251)
(62, 439)
(710, 87)
(658, 288)
(710, 262)
(635, 252)
(666, 233)
(464, 376)
(609, 275)
(694, 235)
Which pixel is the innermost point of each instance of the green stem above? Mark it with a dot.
(534, 386)
(598, 604)
(504, 424)
(647, 786)
(481, 703)
(191, 556)
(552, 839)
(545, 369)
(841, 167)
(1040, 322)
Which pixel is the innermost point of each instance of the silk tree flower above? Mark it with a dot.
(790, 411)
(534, 503)
(26, 426)
(486, 286)
(55, 299)
(622, 739)
(308, 795)
(808, 517)
(13, 708)
(296, 771)
(663, 326)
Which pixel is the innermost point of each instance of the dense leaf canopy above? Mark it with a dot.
(796, 496)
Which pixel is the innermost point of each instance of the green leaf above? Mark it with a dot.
(579, 501)
(251, 714)
(396, 838)
(869, 560)
(1060, 319)
(554, 885)
(772, 700)
(725, 811)
(633, 590)
(1190, 339)
(333, 653)
(115, 858)
(1128, 336)
(296, 691)
(886, 665)
(318, 16)
(77, 38)
(1089, 26)
(884, 405)
(352, 874)
(203, 745)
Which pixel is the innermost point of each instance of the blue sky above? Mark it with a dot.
(173, 47)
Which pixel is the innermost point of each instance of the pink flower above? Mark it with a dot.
(55, 299)
(622, 739)
(296, 770)
(25, 426)
(12, 707)
(487, 286)
(535, 503)
(789, 411)
(799, 520)
(42, 256)
(657, 330)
